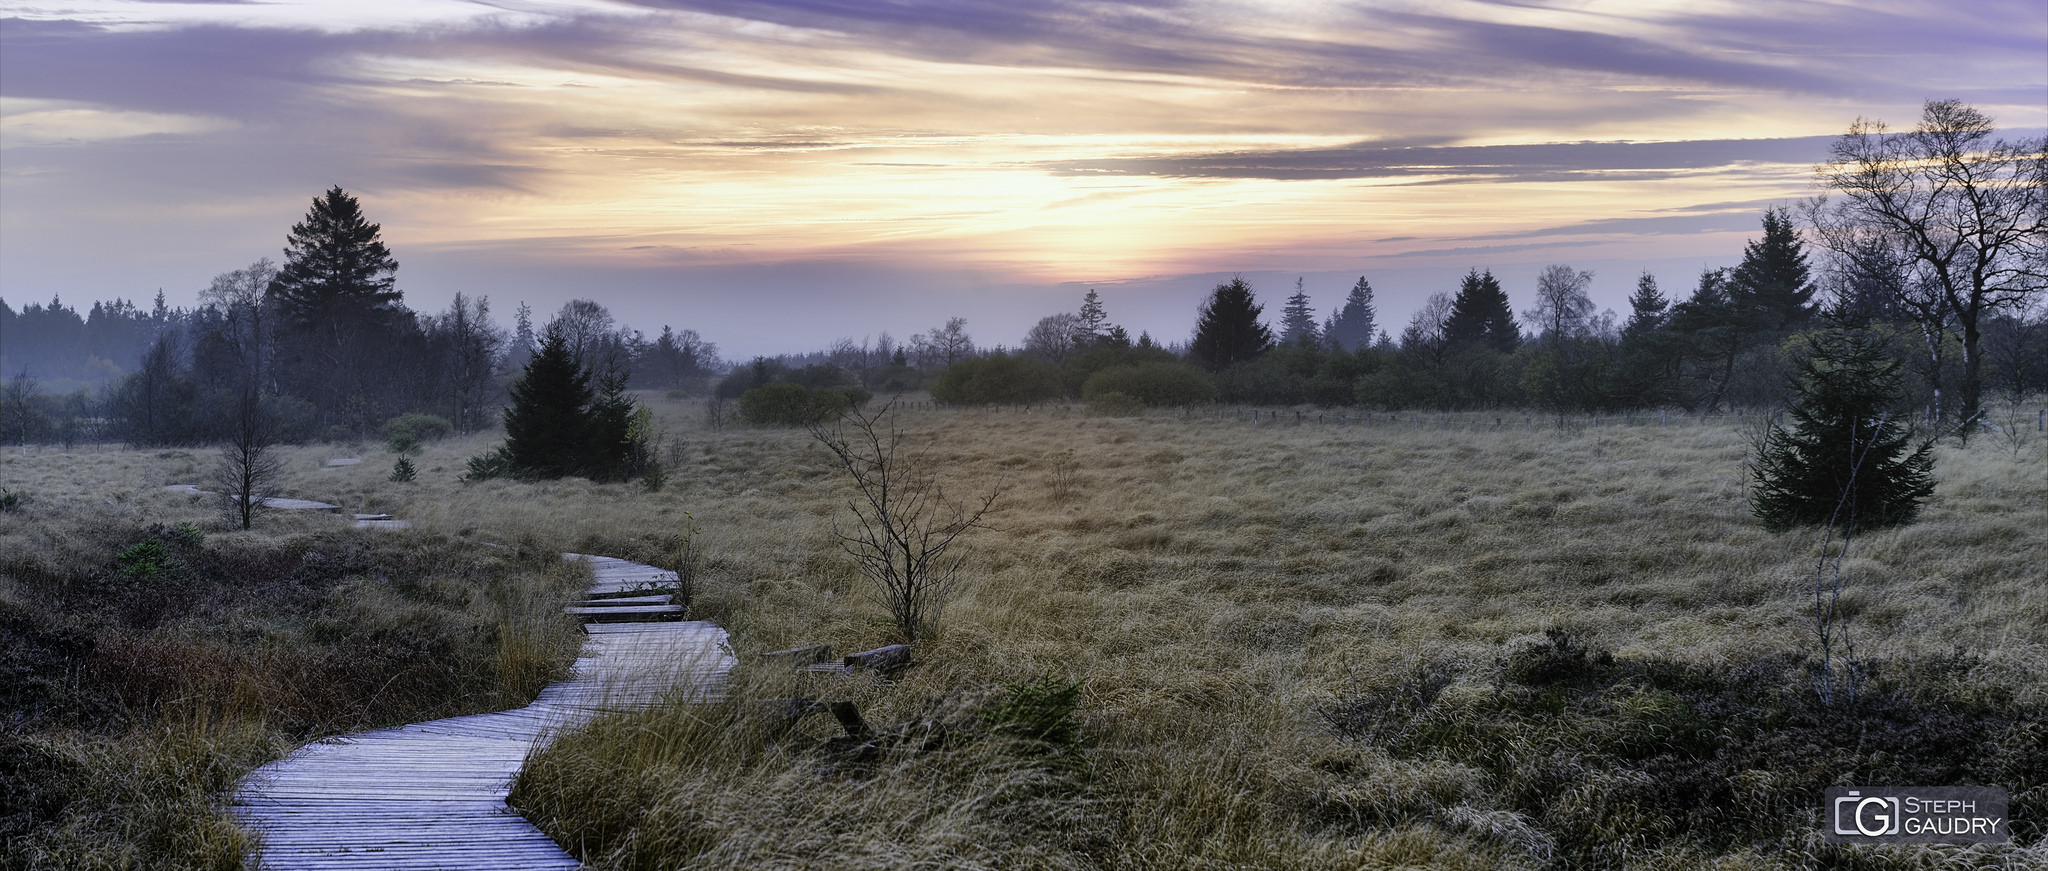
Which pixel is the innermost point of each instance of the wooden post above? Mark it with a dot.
(848, 715)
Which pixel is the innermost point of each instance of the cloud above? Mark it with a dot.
(1558, 161)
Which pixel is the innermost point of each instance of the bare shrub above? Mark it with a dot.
(249, 464)
(905, 524)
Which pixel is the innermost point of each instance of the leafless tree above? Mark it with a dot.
(950, 344)
(1055, 337)
(904, 525)
(472, 342)
(249, 465)
(1970, 214)
(19, 416)
(1425, 332)
(1563, 311)
(243, 297)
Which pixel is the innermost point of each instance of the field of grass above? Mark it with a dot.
(1419, 642)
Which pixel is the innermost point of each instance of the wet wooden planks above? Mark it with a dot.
(432, 795)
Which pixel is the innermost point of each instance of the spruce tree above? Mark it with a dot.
(1772, 284)
(1297, 319)
(547, 425)
(1094, 321)
(1847, 459)
(1228, 330)
(1353, 326)
(1480, 314)
(1647, 307)
(337, 299)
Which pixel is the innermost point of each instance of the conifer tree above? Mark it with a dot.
(1480, 314)
(1847, 459)
(547, 425)
(1772, 284)
(1228, 330)
(1647, 307)
(1353, 326)
(336, 294)
(1297, 319)
(1094, 321)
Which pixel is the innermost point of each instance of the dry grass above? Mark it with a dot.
(1218, 587)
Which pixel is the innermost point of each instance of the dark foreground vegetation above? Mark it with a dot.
(146, 666)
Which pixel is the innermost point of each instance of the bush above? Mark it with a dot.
(496, 464)
(1153, 384)
(787, 404)
(421, 427)
(999, 378)
(1846, 459)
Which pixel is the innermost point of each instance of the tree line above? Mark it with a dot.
(324, 340)
(1933, 240)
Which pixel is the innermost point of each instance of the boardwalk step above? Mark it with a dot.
(628, 601)
(625, 613)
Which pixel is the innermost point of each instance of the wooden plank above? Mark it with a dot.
(432, 795)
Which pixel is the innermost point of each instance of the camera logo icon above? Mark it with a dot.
(1872, 816)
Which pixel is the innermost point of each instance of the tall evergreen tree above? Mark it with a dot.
(1647, 307)
(1480, 314)
(1094, 322)
(1643, 372)
(547, 425)
(336, 292)
(1297, 319)
(1847, 459)
(1228, 330)
(1772, 282)
(1353, 326)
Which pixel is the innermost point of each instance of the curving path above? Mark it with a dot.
(432, 795)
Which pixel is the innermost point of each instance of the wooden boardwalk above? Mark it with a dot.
(432, 795)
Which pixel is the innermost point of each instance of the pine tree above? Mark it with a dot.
(1480, 314)
(335, 266)
(335, 293)
(1228, 330)
(547, 425)
(1847, 459)
(1094, 322)
(1772, 281)
(1297, 319)
(1647, 307)
(1353, 326)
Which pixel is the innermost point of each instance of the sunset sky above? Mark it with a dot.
(778, 175)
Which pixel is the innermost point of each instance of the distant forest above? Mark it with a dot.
(1934, 241)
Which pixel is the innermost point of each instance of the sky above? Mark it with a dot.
(778, 175)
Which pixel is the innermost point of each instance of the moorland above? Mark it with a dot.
(1475, 640)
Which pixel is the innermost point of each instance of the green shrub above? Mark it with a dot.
(1153, 383)
(146, 561)
(421, 427)
(785, 404)
(496, 464)
(999, 378)
(1847, 458)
